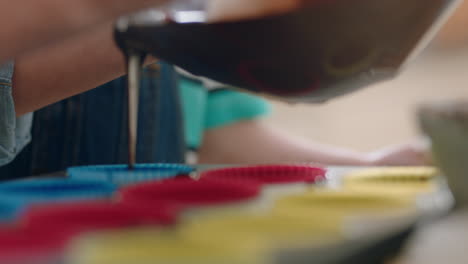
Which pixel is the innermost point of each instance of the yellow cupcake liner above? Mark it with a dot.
(148, 246)
(271, 230)
(344, 203)
(392, 175)
(409, 182)
(260, 205)
(408, 190)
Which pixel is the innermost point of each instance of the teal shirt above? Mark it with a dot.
(204, 109)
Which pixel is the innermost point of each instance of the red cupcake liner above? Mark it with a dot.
(269, 174)
(20, 246)
(47, 229)
(190, 193)
(98, 215)
(63, 222)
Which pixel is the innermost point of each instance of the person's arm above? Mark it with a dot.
(67, 68)
(254, 142)
(28, 24)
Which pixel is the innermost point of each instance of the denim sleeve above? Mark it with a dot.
(14, 131)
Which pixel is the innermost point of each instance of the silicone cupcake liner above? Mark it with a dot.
(345, 204)
(276, 180)
(19, 246)
(410, 190)
(149, 246)
(94, 215)
(269, 174)
(275, 229)
(47, 230)
(362, 213)
(33, 191)
(192, 193)
(392, 175)
(203, 197)
(9, 210)
(120, 175)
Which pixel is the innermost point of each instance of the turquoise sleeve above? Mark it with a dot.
(225, 107)
(203, 109)
(193, 101)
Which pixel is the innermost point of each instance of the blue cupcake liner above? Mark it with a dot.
(120, 175)
(25, 192)
(9, 210)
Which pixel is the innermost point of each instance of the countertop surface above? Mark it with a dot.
(443, 241)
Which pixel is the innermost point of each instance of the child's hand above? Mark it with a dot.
(409, 154)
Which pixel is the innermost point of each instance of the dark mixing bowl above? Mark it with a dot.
(321, 50)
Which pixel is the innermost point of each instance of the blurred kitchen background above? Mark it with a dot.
(385, 113)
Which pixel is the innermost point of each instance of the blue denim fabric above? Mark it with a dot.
(90, 128)
(14, 132)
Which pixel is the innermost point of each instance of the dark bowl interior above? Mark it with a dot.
(323, 49)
